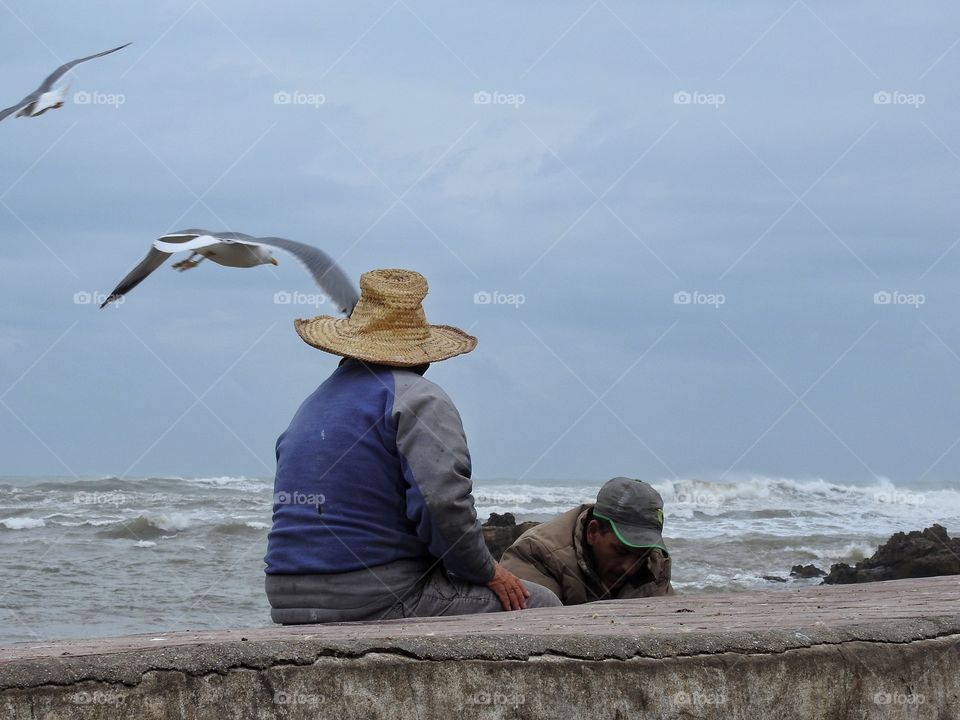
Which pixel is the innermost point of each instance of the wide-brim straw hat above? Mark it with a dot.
(388, 325)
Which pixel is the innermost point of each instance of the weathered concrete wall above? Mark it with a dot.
(831, 652)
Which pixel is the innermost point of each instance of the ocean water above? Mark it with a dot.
(108, 556)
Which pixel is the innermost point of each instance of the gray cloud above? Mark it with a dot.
(498, 197)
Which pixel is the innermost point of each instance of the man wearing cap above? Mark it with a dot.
(373, 516)
(609, 550)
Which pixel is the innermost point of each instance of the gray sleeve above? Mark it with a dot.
(436, 466)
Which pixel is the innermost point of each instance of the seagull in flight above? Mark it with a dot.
(234, 249)
(46, 97)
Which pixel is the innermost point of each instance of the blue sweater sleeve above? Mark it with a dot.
(436, 467)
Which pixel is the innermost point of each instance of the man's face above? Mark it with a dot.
(614, 562)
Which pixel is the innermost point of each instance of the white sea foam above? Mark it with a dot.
(22, 523)
(226, 482)
(723, 534)
(856, 551)
(183, 520)
(769, 505)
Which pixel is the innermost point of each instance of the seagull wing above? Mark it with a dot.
(172, 242)
(19, 106)
(325, 271)
(199, 241)
(63, 69)
(154, 259)
(197, 238)
(185, 240)
(239, 237)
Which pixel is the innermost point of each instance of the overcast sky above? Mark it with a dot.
(682, 215)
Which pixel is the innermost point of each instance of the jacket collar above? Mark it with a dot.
(583, 551)
(352, 362)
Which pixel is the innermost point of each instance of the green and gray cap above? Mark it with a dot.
(634, 509)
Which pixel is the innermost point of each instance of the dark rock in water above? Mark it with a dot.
(843, 574)
(773, 578)
(806, 571)
(500, 532)
(498, 520)
(905, 555)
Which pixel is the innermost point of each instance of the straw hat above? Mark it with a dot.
(388, 325)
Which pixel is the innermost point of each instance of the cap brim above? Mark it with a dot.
(636, 536)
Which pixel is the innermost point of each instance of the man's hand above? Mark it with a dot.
(509, 590)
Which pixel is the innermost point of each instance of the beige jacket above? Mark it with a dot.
(552, 554)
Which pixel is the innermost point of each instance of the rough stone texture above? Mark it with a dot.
(500, 532)
(905, 555)
(887, 650)
(806, 571)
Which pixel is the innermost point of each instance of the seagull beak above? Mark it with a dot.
(273, 261)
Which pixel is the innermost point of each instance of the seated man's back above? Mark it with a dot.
(346, 499)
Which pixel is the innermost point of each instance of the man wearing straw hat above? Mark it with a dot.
(373, 516)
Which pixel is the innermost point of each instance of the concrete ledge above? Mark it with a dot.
(885, 650)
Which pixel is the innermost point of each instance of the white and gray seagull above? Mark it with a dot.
(234, 249)
(46, 97)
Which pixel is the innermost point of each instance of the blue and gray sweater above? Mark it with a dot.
(375, 468)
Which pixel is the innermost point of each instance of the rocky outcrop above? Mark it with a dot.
(905, 555)
(806, 571)
(500, 532)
